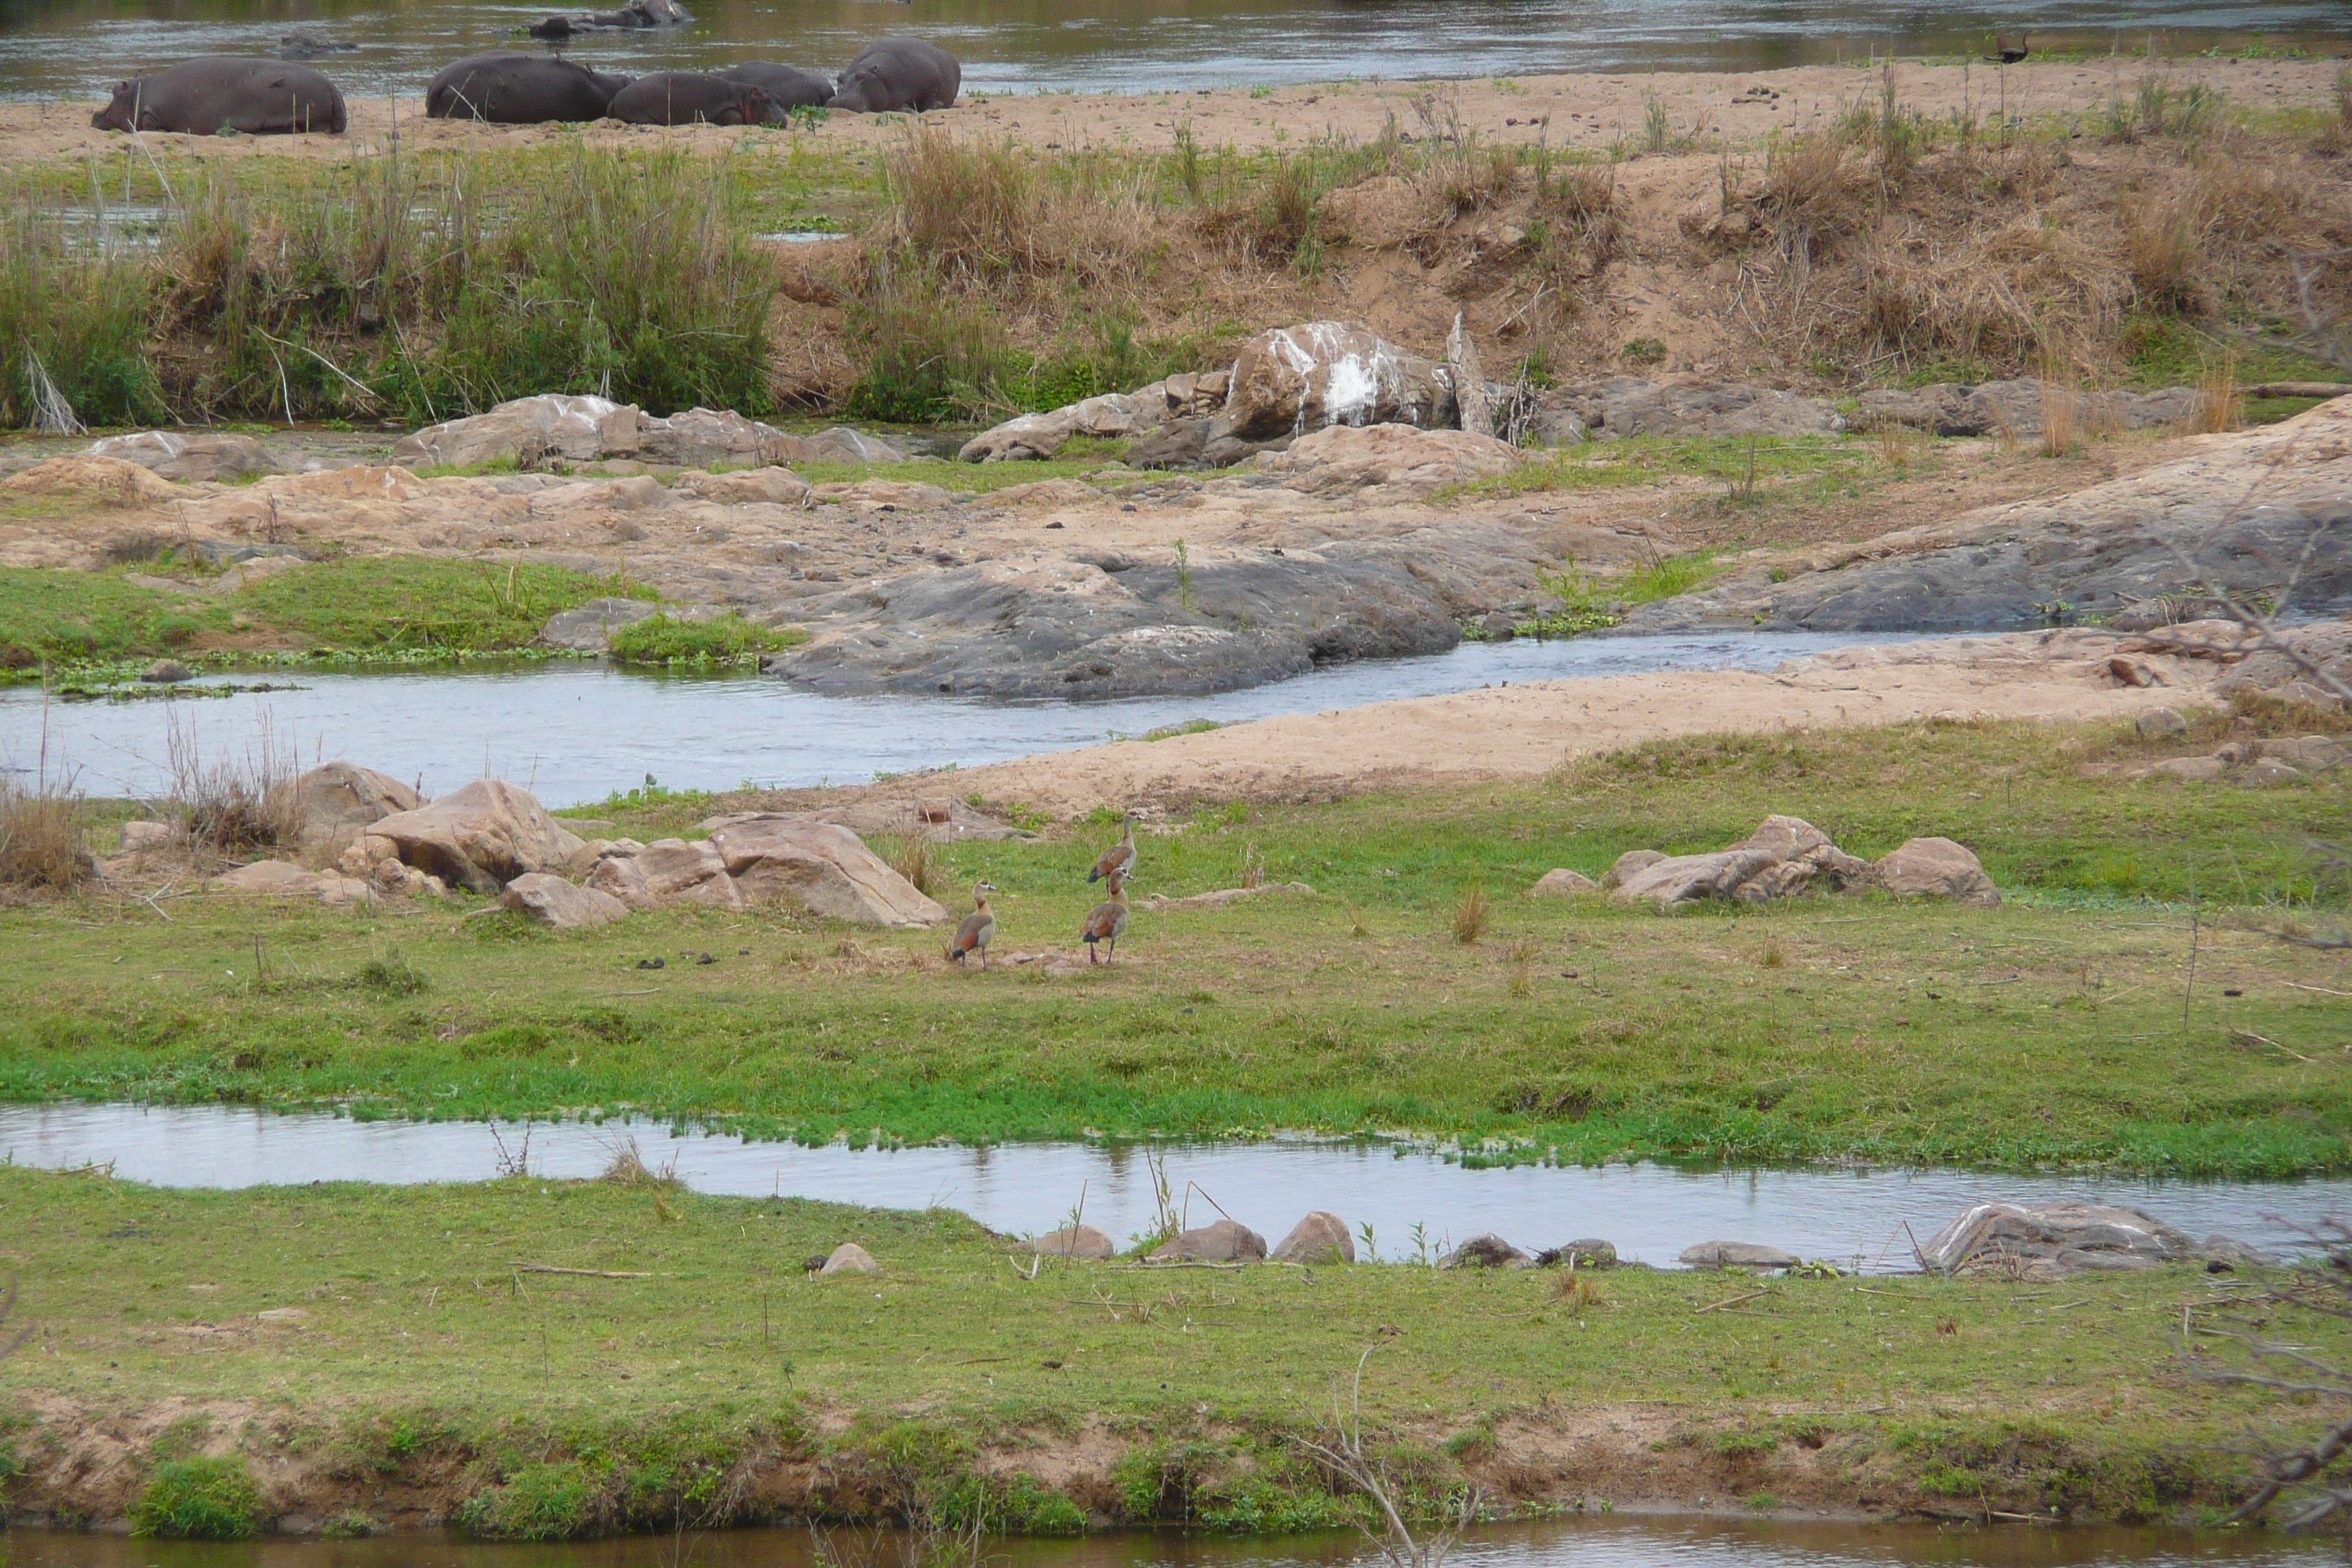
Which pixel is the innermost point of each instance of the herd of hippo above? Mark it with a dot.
(517, 87)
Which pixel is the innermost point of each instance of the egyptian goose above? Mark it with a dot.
(1120, 859)
(1108, 920)
(2007, 53)
(978, 927)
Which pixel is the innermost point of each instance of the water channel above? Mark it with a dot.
(1858, 1218)
(1610, 1542)
(576, 732)
(77, 48)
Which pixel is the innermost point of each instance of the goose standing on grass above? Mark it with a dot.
(1108, 920)
(1120, 859)
(978, 927)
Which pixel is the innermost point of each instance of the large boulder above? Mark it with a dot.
(1072, 1241)
(481, 836)
(337, 800)
(1804, 858)
(823, 868)
(701, 438)
(840, 443)
(1486, 1250)
(668, 872)
(1226, 1241)
(1321, 1238)
(550, 900)
(2055, 1240)
(110, 481)
(1736, 1254)
(528, 430)
(1935, 869)
(200, 455)
(1296, 379)
(1387, 462)
(850, 1258)
(1693, 878)
(1113, 416)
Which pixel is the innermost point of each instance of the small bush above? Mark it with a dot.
(658, 639)
(538, 1502)
(1471, 914)
(199, 1500)
(2163, 243)
(393, 976)
(232, 807)
(628, 1168)
(918, 857)
(44, 842)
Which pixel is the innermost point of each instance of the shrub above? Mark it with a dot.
(1471, 914)
(658, 639)
(918, 857)
(44, 841)
(231, 805)
(199, 1500)
(73, 327)
(393, 976)
(537, 1502)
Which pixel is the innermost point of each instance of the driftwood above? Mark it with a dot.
(582, 1273)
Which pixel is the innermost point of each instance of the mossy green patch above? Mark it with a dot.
(199, 1500)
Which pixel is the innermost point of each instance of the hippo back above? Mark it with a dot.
(689, 97)
(787, 87)
(513, 86)
(202, 97)
(892, 74)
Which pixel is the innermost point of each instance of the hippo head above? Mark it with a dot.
(121, 114)
(860, 91)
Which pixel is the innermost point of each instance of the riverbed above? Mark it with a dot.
(575, 731)
(79, 47)
(1416, 1199)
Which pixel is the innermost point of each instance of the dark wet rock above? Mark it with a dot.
(1736, 1254)
(2055, 1240)
(1321, 1238)
(1225, 1241)
(1486, 1251)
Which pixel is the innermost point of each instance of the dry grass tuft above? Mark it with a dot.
(1577, 1292)
(2061, 415)
(628, 1168)
(918, 857)
(44, 839)
(2163, 250)
(231, 805)
(2220, 406)
(1252, 866)
(1772, 957)
(1523, 959)
(1471, 914)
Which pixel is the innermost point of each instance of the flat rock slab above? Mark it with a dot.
(550, 900)
(191, 456)
(1736, 1254)
(1220, 897)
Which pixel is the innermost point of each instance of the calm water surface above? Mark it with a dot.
(78, 48)
(1613, 1541)
(1865, 1218)
(576, 732)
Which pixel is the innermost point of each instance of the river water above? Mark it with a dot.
(575, 731)
(1608, 1542)
(1416, 1199)
(76, 49)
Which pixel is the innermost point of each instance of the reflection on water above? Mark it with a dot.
(1865, 1218)
(578, 731)
(78, 47)
(1603, 1543)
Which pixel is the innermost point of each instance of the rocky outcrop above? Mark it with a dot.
(744, 487)
(1293, 379)
(2256, 763)
(1321, 1238)
(1935, 868)
(668, 872)
(2250, 513)
(339, 800)
(550, 900)
(2053, 1240)
(481, 836)
(555, 426)
(1377, 463)
(1736, 1254)
(191, 456)
(820, 867)
(2016, 409)
(1113, 416)
(1226, 1241)
(1787, 856)
(1631, 405)
(280, 878)
(111, 481)
(1678, 880)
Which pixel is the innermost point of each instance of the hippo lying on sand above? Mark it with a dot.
(690, 98)
(261, 98)
(899, 73)
(512, 87)
(787, 87)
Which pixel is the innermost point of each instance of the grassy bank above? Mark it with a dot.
(372, 1356)
(2061, 1027)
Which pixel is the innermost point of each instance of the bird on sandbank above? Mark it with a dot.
(978, 927)
(1106, 921)
(1119, 859)
(2007, 53)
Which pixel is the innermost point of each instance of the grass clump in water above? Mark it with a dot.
(199, 1500)
(724, 639)
(538, 1502)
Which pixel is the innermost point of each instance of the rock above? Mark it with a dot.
(166, 672)
(1112, 416)
(1231, 451)
(1476, 416)
(1499, 627)
(1586, 1254)
(338, 799)
(139, 838)
(1072, 1241)
(1486, 1251)
(2061, 1238)
(1561, 883)
(111, 481)
(173, 455)
(1321, 1238)
(1178, 443)
(2096, 552)
(666, 872)
(1692, 878)
(843, 445)
(2196, 770)
(946, 816)
(701, 438)
(2269, 770)
(1046, 493)
(550, 900)
(823, 868)
(2015, 408)
(883, 495)
(1736, 1254)
(529, 430)
(1804, 857)
(1627, 864)
(1631, 405)
(481, 836)
(589, 628)
(2159, 721)
(282, 879)
(850, 1258)
(1221, 897)
(1225, 1241)
(775, 487)
(2231, 1253)
(1297, 379)
(1389, 462)
(1935, 868)
(1785, 838)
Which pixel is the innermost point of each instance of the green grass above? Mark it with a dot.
(2057, 1029)
(727, 639)
(1589, 602)
(86, 617)
(406, 1350)
(199, 1500)
(1786, 468)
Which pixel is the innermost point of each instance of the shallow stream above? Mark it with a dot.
(1417, 1200)
(577, 732)
(1608, 1542)
(81, 48)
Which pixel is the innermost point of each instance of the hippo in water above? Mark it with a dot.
(636, 13)
(261, 98)
(512, 87)
(899, 73)
(690, 98)
(787, 87)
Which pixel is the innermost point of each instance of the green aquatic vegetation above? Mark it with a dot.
(724, 639)
(199, 1500)
(388, 602)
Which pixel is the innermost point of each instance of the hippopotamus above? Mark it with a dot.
(261, 98)
(513, 86)
(637, 14)
(311, 47)
(899, 73)
(690, 98)
(787, 87)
